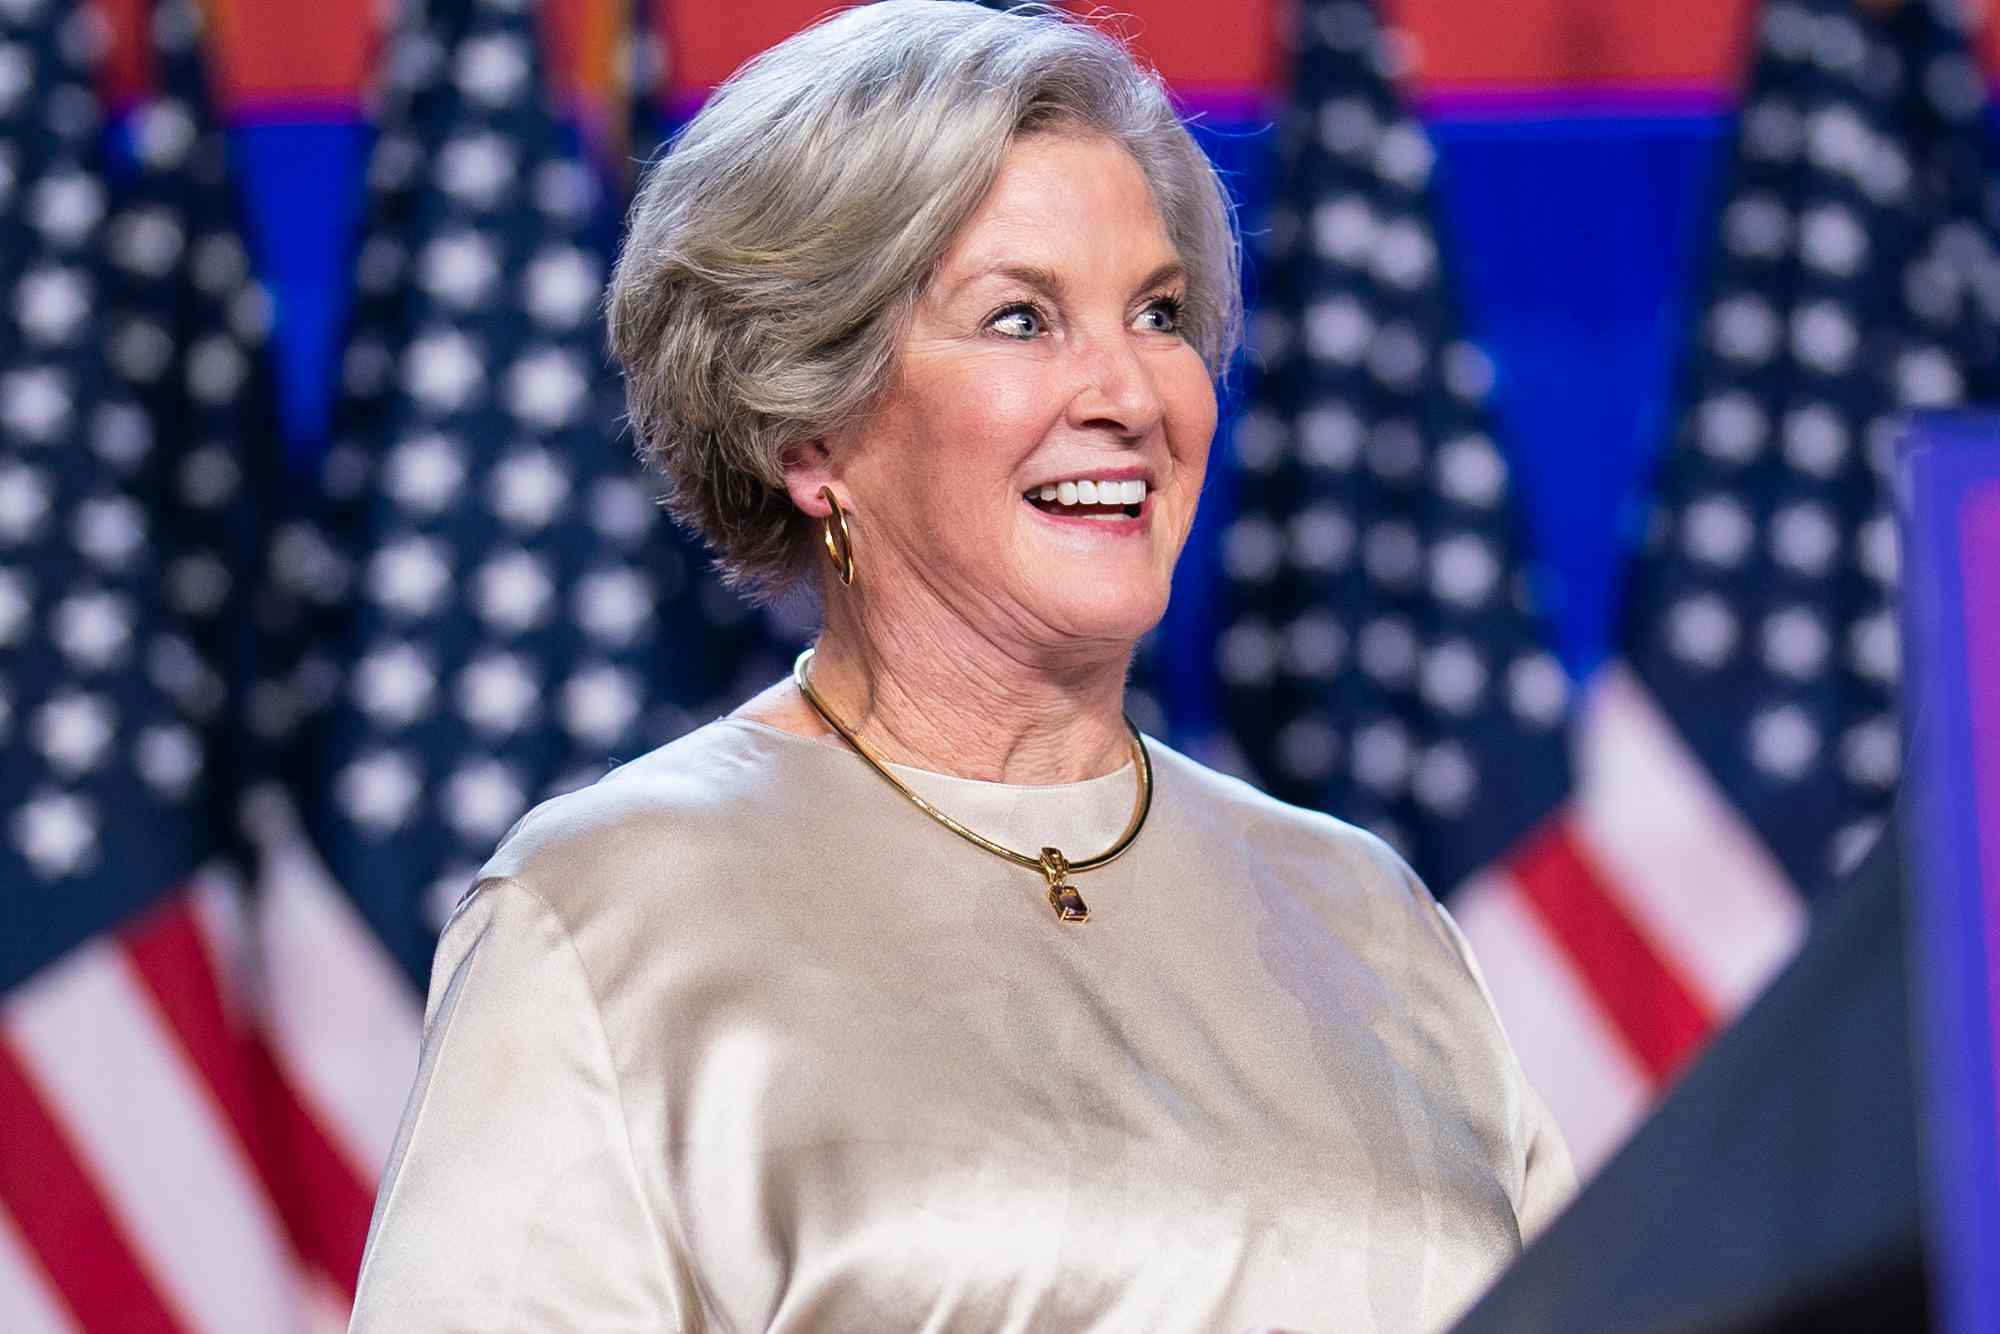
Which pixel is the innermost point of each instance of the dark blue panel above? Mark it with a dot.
(302, 192)
(1946, 464)
(1244, 151)
(1576, 241)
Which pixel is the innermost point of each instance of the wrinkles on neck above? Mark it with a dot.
(927, 687)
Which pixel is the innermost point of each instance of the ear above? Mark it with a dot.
(808, 467)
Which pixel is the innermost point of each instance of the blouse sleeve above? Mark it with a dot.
(1550, 1179)
(511, 1200)
(1548, 1175)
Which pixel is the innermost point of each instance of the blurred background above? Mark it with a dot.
(1549, 533)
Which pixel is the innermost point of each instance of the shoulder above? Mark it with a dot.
(1274, 829)
(666, 810)
(1351, 874)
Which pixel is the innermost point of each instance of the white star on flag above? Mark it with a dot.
(57, 833)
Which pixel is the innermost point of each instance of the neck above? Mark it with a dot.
(924, 688)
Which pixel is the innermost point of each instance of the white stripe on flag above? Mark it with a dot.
(345, 1023)
(1684, 863)
(327, 1310)
(27, 1304)
(215, 900)
(1568, 1048)
(151, 1137)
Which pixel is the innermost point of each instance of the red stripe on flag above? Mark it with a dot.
(324, 1205)
(333, 1202)
(1652, 1008)
(63, 1219)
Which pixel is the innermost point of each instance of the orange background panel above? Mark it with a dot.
(1194, 43)
(708, 39)
(126, 74)
(582, 40)
(311, 51)
(1543, 43)
(1199, 44)
(322, 51)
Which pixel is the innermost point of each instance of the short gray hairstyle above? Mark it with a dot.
(777, 248)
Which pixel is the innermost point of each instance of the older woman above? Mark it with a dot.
(921, 992)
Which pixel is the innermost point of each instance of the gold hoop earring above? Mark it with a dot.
(839, 542)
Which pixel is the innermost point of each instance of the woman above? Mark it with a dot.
(925, 308)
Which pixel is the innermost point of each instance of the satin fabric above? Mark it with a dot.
(736, 1039)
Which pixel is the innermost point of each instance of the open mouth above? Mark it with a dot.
(1090, 499)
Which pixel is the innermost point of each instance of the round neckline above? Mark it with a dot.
(1122, 773)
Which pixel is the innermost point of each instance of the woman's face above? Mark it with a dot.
(1045, 358)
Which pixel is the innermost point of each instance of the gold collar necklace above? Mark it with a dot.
(1055, 867)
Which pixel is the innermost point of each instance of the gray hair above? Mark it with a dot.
(776, 250)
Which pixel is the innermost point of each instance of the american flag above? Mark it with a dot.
(1381, 651)
(510, 626)
(1382, 658)
(379, 657)
(157, 1169)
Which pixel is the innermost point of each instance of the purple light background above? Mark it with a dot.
(1979, 538)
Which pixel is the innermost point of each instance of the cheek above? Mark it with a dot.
(978, 427)
(947, 482)
(1011, 412)
(1191, 417)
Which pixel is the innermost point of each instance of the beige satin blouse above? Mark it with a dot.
(736, 1039)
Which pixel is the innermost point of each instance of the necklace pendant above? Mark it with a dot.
(1069, 904)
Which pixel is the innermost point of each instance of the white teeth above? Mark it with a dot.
(1090, 492)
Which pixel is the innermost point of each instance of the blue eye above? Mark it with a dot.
(1167, 310)
(1021, 322)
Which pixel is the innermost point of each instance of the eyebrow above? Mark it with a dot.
(1046, 281)
(1171, 271)
(1050, 283)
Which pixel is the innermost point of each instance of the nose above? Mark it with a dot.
(1117, 394)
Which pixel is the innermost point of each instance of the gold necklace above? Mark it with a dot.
(1055, 868)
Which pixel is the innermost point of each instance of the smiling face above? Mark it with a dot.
(1043, 359)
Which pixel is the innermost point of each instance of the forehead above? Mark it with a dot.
(1064, 196)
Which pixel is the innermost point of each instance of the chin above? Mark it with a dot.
(1108, 616)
